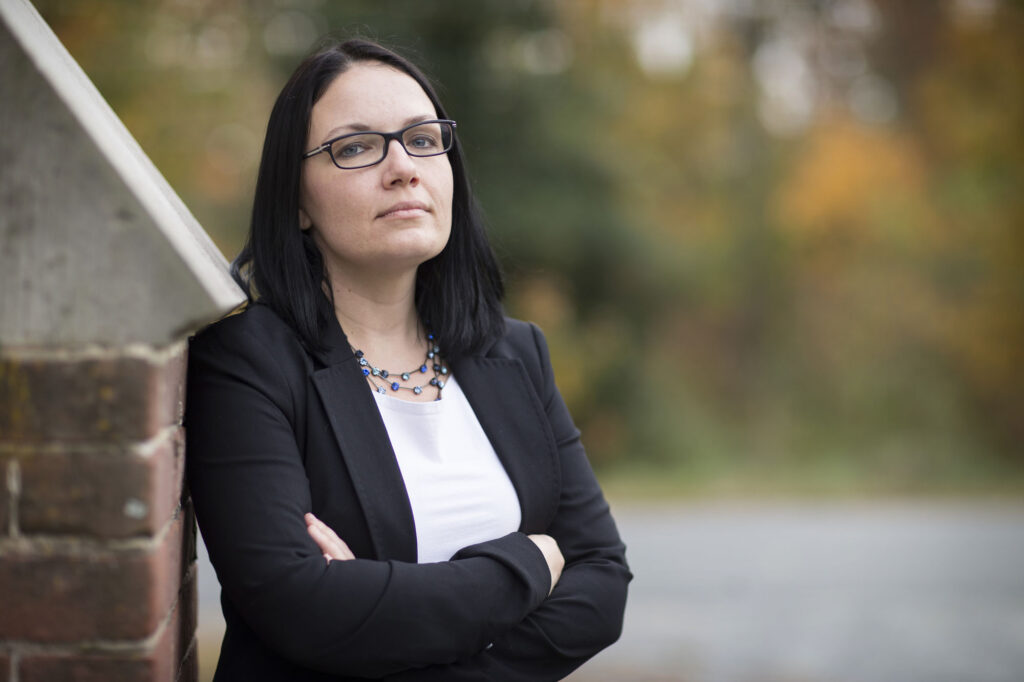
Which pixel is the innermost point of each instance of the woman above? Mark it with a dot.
(408, 498)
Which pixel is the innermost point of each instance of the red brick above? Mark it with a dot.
(52, 593)
(145, 665)
(110, 495)
(107, 400)
(95, 668)
(171, 395)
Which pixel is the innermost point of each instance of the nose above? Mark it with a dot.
(399, 168)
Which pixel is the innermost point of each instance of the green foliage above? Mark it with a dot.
(730, 291)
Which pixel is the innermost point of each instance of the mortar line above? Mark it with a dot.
(74, 546)
(143, 447)
(135, 351)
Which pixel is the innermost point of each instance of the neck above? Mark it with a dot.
(378, 315)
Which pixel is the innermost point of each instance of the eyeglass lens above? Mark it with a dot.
(364, 149)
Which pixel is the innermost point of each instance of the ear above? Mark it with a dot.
(305, 222)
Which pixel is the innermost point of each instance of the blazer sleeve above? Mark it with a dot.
(361, 617)
(584, 613)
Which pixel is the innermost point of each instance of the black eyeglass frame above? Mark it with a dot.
(397, 135)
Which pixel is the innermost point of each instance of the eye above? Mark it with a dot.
(353, 147)
(347, 151)
(422, 141)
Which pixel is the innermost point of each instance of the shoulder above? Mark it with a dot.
(519, 333)
(255, 320)
(519, 339)
(255, 339)
(523, 341)
(255, 326)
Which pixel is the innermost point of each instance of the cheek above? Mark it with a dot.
(325, 201)
(308, 194)
(448, 192)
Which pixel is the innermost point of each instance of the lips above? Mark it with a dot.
(404, 206)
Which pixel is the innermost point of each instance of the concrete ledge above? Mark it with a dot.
(95, 247)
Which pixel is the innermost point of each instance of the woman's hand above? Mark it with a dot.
(333, 547)
(552, 554)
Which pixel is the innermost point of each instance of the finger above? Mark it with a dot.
(328, 531)
(325, 544)
(331, 544)
(327, 539)
(342, 550)
(313, 521)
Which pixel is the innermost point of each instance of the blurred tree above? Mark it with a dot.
(764, 239)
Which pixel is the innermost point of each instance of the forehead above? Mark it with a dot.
(369, 94)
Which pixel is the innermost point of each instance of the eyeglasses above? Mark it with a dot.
(359, 150)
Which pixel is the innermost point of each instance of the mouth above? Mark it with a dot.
(405, 209)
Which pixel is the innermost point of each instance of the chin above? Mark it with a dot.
(421, 248)
(401, 259)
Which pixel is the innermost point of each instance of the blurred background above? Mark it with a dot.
(777, 246)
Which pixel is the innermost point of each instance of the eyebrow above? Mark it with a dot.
(362, 127)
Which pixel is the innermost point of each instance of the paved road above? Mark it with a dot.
(797, 592)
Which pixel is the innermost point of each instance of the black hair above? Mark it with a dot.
(458, 292)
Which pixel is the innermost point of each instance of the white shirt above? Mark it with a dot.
(459, 491)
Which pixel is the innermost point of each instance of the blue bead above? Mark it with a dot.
(423, 369)
(394, 386)
(384, 373)
(359, 353)
(430, 336)
(433, 382)
(437, 368)
(417, 390)
(366, 372)
(405, 376)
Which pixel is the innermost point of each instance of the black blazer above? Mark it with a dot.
(274, 431)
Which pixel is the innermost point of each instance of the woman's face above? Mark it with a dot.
(388, 217)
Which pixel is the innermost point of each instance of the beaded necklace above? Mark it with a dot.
(431, 360)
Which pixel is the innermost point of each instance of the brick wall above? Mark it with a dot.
(97, 554)
(103, 273)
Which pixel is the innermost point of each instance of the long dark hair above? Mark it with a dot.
(458, 292)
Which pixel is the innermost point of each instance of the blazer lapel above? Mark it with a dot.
(504, 401)
(513, 418)
(366, 449)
